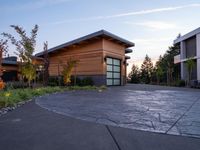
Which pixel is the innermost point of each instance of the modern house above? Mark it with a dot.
(10, 68)
(100, 55)
(189, 49)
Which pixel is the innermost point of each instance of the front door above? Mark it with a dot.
(113, 76)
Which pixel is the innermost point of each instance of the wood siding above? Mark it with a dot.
(89, 57)
(114, 50)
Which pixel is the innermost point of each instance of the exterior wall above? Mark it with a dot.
(198, 56)
(89, 58)
(114, 50)
(190, 48)
(190, 45)
(97, 79)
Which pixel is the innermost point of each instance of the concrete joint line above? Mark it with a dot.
(114, 139)
(174, 124)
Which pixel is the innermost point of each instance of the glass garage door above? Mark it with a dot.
(113, 76)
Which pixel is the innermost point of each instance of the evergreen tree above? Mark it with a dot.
(134, 75)
(146, 70)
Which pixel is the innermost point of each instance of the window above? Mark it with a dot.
(113, 71)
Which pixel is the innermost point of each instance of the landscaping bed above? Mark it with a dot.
(11, 99)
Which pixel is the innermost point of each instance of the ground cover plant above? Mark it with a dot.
(12, 97)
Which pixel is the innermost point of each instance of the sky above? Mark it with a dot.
(151, 24)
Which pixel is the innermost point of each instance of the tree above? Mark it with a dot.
(3, 49)
(25, 48)
(190, 65)
(146, 70)
(170, 71)
(134, 75)
(67, 71)
(46, 64)
(159, 74)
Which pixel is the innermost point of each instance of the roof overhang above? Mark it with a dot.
(187, 36)
(96, 35)
(127, 57)
(128, 51)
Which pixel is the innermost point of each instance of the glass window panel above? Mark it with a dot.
(109, 68)
(109, 75)
(109, 60)
(116, 62)
(116, 68)
(116, 82)
(109, 82)
(116, 75)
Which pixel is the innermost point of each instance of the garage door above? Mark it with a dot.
(113, 76)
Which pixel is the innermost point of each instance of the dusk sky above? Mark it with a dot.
(151, 24)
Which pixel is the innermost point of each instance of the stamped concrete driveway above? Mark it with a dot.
(145, 107)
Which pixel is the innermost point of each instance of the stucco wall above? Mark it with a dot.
(198, 56)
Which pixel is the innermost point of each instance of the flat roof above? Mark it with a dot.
(101, 33)
(187, 36)
(8, 62)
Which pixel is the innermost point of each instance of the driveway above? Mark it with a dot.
(144, 107)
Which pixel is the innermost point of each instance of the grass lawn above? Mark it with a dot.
(14, 96)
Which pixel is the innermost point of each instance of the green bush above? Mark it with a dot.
(55, 81)
(180, 83)
(87, 81)
(15, 85)
(78, 81)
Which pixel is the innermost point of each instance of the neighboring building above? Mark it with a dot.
(189, 48)
(100, 55)
(10, 68)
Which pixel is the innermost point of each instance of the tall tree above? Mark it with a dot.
(46, 64)
(170, 71)
(159, 70)
(25, 48)
(190, 65)
(146, 69)
(3, 50)
(134, 75)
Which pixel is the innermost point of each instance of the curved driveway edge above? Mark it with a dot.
(32, 128)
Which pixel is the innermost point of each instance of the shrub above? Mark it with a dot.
(15, 85)
(180, 83)
(2, 84)
(78, 81)
(53, 81)
(87, 81)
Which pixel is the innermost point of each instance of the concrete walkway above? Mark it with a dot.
(32, 128)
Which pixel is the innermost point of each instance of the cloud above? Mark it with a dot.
(156, 25)
(134, 13)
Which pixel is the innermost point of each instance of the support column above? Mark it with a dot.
(198, 56)
(183, 56)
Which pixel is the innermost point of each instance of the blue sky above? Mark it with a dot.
(152, 25)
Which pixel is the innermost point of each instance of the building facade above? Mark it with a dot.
(189, 49)
(100, 55)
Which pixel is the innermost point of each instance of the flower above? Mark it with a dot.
(7, 94)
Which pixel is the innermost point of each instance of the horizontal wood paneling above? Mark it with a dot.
(89, 58)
